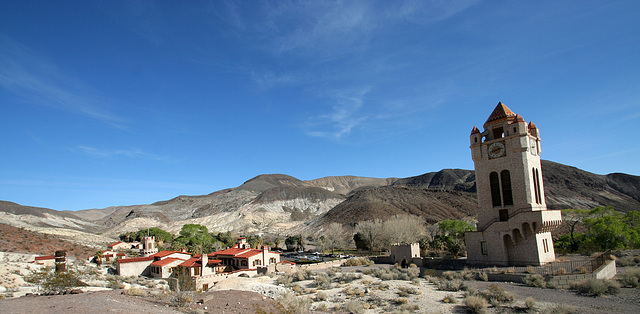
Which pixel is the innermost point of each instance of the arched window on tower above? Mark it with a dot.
(507, 197)
(495, 189)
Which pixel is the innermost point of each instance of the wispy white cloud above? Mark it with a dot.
(130, 153)
(343, 118)
(31, 76)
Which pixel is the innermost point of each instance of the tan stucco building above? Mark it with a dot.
(514, 224)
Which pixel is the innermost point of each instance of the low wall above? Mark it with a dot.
(323, 265)
(606, 271)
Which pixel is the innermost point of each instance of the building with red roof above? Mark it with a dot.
(157, 265)
(206, 269)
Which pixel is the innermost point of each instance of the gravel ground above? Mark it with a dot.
(627, 301)
(91, 302)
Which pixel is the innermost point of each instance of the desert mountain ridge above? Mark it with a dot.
(282, 204)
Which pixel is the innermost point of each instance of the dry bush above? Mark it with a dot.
(358, 261)
(451, 285)
(401, 301)
(451, 275)
(529, 303)
(596, 287)
(180, 299)
(498, 295)
(136, 292)
(288, 303)
(631, 278)
(510, 270)
(531, 270)
(561, 309)
(483, 276)
(560, 271)
(450, 298)
(475, 304)
(536, 280)
(322, 296)
(353, 306)
(406, 291)
(322, 281)
(349, 277)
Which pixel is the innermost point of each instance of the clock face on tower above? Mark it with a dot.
(496, 150)
(534, 146)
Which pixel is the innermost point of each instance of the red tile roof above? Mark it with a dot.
(249, 253)
(500, 112)
(114, 244)
(167, 253)
(135, 259)
(42, 258)
(166, 261)
(194, 261)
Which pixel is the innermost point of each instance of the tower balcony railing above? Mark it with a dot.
(546, 223)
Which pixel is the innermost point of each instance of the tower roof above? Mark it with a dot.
(475, 130)
(501, 112)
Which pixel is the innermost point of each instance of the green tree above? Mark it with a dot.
(195, 238)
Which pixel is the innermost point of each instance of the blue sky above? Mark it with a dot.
(130, 102)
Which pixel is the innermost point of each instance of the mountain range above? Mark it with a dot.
(281, 204)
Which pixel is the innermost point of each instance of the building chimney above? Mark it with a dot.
(205, 261)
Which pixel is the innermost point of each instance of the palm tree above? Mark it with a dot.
(98, 257)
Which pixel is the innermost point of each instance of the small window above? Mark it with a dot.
(483, 248)
(514, 130)
(504, 215)
(498, 133)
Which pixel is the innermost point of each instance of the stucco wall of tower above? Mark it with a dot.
(406, 251)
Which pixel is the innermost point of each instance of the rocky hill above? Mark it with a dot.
(278, 203)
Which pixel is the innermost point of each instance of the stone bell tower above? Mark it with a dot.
(514, 225)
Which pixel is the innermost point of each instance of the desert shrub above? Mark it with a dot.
(631, 278)
(529, 303)
(401, 301)
(450, 298)
(560, 271)
(451, 275)
(483, 276)
(429, 273)
(413, 271)
(561, 309)
(535, 280)
(358, 261)
(596, 287)
(114, 282)
(288, 303)
(510, 270)
(285, 280)
(475, 304)
(52, 281)
(451, 285)
(301, 275)
(181, 298)
(406, 291)
(322, 296)
(331, 272)
(322, 281)
(136, 292)
(353, 306)
(497, 294)
(349, 277)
